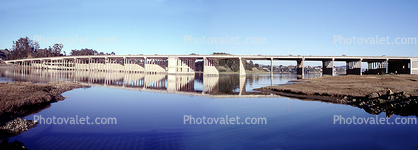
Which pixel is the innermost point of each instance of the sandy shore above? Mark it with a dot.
(19, 99)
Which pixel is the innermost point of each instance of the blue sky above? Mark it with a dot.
(160, 27)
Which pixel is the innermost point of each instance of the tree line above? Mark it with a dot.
(26, 48)
(233, 64)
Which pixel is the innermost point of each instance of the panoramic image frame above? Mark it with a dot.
(202, 74)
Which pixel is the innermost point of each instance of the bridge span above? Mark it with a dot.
(186, 64)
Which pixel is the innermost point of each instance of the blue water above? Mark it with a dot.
(155, 120)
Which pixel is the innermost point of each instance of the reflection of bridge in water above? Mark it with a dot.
(189, 84)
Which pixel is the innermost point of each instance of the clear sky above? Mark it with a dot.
(285, 27)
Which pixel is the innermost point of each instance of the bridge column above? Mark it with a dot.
(90, 68)
(146, 66)
(328, 67)
(124, 64)
(185, 66)
(76, 63)
(209, 67)
(353, 67)
(271, 71)
(106, 66)
(300, 71)
(172, 65)
(271, 66)
(241, 67)
(414, 66)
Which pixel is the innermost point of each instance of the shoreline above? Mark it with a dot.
(350, 85)
(20, 99)
(393, 94)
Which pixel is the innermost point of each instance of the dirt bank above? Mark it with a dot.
(15, 96)
(393, 94)
(19, 99)
(351, 85)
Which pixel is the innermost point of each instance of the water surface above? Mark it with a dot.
(150, 112)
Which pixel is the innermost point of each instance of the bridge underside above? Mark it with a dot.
(186, 64)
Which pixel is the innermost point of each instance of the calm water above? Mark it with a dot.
(150, 112)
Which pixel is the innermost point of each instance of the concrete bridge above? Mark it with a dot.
(185, 64)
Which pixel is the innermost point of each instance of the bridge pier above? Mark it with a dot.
(414, 66)
(209, 67)
(353, 67)
(271, 67)
(241, 67)
(181, 65)
(328, 67)
(300, 71)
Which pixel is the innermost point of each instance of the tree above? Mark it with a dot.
(85, 51)
(257, 65)
(249, 66)
(56, 49)
(23, 48)
(26, 48)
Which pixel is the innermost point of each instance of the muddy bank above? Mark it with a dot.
(19, 99)
(393, 94)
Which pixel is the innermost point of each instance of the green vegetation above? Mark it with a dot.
(232, 65)
(26, 48)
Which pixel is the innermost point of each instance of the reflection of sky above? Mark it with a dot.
(149, 116)
(151, 119)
